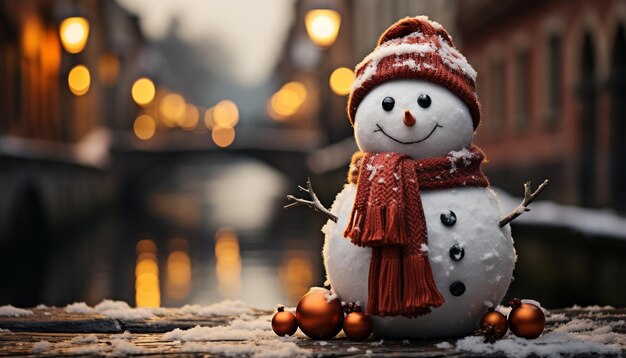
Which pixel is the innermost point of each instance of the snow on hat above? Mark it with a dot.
(416, 48)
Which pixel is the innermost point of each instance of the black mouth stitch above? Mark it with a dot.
(401, 142)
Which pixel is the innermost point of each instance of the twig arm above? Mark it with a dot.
(523, 207)
(314, 203)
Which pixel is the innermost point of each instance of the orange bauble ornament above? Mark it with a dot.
(526, 320)
(356, 325)
(319, 314)
(284, 323)
(493, 326)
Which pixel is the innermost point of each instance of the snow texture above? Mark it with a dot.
(10, 311)
(444, 345)
(115, 309)
(578, 336)
(41, 346)
(224, 308)
(122, 347)
(597, 222)
(255, 334)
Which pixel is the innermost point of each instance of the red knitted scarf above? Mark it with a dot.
(388, 216)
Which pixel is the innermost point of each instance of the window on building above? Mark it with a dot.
(554, 80)
(497, 96)
(522, 95)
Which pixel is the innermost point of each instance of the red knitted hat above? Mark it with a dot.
(416, 48)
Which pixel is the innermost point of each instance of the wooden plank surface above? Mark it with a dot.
(96, 334)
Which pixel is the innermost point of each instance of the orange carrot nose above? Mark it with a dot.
(409, 120)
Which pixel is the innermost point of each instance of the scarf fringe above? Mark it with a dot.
(420, 290)
(386, 275)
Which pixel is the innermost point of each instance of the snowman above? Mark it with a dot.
(416, 235)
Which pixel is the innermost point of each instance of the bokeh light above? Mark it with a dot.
(144, 127)
(79, 80)
(209, 121)
(322, 25)
(178, 270)
(223, 137)
(74, 32)
(341, 80)
(32, 32)
(172, 108)
(143, 91)
(225, 114)
(288, 99)
(191, 118)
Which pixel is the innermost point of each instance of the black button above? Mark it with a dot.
(448, 218)
(457, 288)
(457, 253)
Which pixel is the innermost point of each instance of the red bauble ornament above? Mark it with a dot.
(493, 326)
(526, 320)
(284, 323)
(319, 314)
(357, 325)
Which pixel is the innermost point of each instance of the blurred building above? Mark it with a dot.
(552, 81)
(62, 90)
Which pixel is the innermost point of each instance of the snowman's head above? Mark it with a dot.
(415, 93)
(413, 117)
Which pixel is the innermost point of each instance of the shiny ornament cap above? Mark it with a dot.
(416, 48)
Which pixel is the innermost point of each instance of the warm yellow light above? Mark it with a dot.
(147, 288)
(225, 114)
(32, 32)
(223, 137)
(191, 118)
(143, 91)
(50, 56)
(178, 283)
(108, 69)
(209, 122)
(227, 262)
(144, 127)
(296, 274)
(288, 100)
(172, 109)
(74, 32)
(79, 80)
(322, 25)
(341, 80)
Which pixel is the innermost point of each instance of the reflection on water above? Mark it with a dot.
(196, 231)
(147, 288)
(178, 279)
(227, 263)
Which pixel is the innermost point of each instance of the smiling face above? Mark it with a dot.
(413, 117)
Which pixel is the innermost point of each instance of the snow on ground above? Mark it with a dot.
(224, 308)
(578, 336)
(115, 309)
(10, 311)
(548, 213)
(256, 336)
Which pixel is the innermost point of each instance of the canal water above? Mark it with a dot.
(210, 229)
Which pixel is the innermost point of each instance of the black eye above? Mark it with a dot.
(424, 101)
(388, 103)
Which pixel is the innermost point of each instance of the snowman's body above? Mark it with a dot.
(485, 269)
(397, 117)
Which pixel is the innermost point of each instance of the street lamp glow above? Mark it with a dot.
(143, 91)
(172, 109)
(322, 25)
(79, 80)
(74, 32)
(144, 127)
(225, 114)
(288, 100)
(223, 137)
(341, 80)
